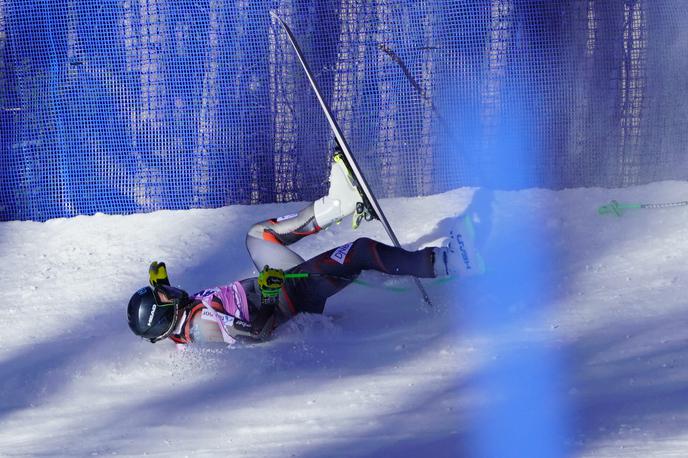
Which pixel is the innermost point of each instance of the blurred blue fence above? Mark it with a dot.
(137, 105)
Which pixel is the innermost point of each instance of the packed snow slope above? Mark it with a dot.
(573, 343)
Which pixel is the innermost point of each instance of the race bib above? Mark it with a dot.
(226, 319)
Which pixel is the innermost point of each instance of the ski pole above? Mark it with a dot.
(299, 275)
(616, 208)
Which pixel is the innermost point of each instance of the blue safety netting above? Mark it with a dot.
(138, 105)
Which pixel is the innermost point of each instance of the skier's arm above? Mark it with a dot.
(256, 331)
(270, 282)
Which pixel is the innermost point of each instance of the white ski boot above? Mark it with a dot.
(343, 198)
(460, 256)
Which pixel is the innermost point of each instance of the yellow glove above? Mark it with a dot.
(157, 273)
(270, 281)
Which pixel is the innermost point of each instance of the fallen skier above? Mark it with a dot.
(252, 308)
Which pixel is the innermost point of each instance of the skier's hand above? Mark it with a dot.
(157, 273)
(270, 281)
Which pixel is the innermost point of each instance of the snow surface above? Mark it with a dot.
(572, 344)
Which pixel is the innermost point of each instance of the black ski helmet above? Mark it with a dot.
(150, 317)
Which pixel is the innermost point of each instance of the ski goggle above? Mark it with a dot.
(164, 318)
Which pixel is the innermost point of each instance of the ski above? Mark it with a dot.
(363, 183)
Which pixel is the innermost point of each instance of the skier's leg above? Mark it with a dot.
(335, 269)
(267, 241)
(368, 254)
